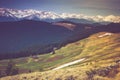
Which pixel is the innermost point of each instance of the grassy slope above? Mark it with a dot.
(49, 61)
(99, 53)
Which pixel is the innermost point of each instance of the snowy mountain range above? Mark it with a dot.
(16, 15)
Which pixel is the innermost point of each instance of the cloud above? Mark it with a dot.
(98, 18)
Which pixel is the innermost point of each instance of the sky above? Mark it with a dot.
(89, 7)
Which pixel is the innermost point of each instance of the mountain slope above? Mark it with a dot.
(101, 60)
(26, 37)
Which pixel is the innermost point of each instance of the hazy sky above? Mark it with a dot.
(89, 7)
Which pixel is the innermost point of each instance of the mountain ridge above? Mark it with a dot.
(14, 15)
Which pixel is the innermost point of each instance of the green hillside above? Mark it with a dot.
(101, 52)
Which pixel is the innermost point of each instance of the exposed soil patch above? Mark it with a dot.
(55, 58)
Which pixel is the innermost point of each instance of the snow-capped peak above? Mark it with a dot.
(44, 15)
(28, 13)
(98, 18)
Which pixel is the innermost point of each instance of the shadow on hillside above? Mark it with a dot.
(81, 31)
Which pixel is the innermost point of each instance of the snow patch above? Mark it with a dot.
(105, 34)
(68, 64)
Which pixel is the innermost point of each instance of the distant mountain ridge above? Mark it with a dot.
(16, 15)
